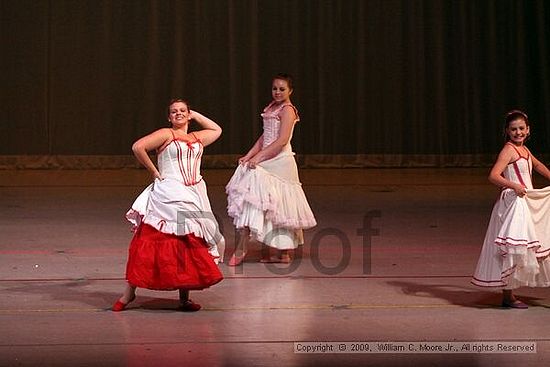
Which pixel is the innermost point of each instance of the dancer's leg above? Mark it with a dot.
(240, 247)
(508, 296)
(186, 304)
(509, 300)
(128, 296)
(285, 256)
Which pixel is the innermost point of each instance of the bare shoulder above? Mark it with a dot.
(508, 153)
(508, 148)
(161, 135)
(289, 107)
(165, 131)
(289, 111)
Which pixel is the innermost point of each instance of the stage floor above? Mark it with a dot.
(389, 262)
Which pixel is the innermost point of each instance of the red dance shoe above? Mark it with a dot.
(120, 306)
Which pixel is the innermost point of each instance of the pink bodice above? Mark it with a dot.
(272, 124)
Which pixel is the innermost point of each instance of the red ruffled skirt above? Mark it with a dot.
(164, 261)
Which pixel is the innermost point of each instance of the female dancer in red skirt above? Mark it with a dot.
(176, 239)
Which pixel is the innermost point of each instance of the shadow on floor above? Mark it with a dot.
(76, 292)
(461, 296)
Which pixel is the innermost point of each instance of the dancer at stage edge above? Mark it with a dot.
(175, 245)
(516, 249)
(265, 196)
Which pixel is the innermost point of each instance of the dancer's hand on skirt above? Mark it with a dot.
(520, 190)
(252, 163)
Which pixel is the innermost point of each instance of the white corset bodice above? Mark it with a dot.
(181, 161)
(272, 124)
(520, 171)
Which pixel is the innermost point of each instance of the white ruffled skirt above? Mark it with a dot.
(173, 208)
(270, 201)
(516, 248)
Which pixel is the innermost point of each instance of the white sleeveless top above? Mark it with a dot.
(520, 170)
(181, 161)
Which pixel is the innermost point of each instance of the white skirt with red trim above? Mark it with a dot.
(270, 201)
(174, 208)
(516, 248)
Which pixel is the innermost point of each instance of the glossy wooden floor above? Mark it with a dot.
(389, 262)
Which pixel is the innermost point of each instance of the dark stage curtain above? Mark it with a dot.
(376, 80)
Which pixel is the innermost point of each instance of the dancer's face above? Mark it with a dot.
(517, 131)
(280, 90)
(179, 114)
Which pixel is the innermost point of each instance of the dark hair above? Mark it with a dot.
(513, 116)
(287, 78)
(176, 100)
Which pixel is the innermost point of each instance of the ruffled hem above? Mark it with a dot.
(518, 271)
(521, 247)
(161, 261)
(519, 267)
(176, 209)
(263, 231)
(524, 270)
(516, 246)
(283, 203)
(214, 240)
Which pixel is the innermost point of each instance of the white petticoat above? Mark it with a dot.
(174, 208)
(269, 200)
(517, 243)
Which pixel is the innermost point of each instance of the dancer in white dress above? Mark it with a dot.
(516, 249)
(265, 196)
(175, 245)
